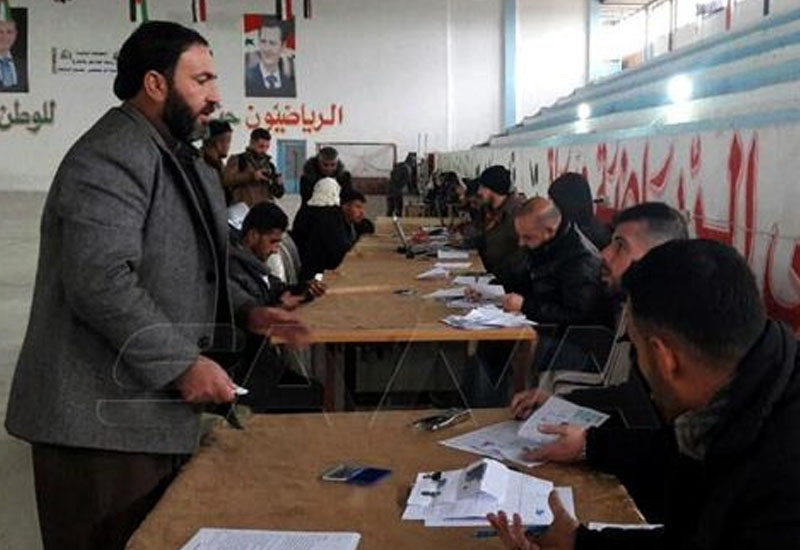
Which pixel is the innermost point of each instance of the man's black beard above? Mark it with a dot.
(180, 120)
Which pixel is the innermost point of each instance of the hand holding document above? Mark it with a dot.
(513, 441)
(558, 411)
(242, 539)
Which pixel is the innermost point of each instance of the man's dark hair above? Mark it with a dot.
(271, 22)
(153, 46)
(328, 154)
(218, 128)
(350, 195)
(663, 222)
(264, 217)
(259, 134)
(701, 292)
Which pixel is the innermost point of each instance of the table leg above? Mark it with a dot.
(521, 364)
(328, 359)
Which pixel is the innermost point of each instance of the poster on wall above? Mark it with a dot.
(14, 50)
(269, 56)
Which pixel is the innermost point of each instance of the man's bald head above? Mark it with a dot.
(536, 222)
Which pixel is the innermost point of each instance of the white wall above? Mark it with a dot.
(476, 59)
(399, 69)
(551, 51)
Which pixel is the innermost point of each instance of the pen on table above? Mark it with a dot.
(490, 533)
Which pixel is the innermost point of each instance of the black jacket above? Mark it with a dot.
(746, 492)
(572, 195)
(323, 237)
(563, 284)
(311, 175)
(498, 246)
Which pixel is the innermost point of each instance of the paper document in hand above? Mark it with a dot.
(446, 293)
(499, 441)
(486, 317)
(452, 255)
(464, 497)
(435, 273)
(558, 411)
(244, 539)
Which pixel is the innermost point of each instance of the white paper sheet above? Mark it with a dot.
(435, 273)
(499, 441)
(453, 265)
(446, 293)
(468, 280)
(245, 539)
(558, 411)
(452, 255)
(598, 526)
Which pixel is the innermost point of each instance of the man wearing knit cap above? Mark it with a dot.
(497, 238)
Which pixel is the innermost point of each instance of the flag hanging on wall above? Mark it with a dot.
(5, 11)
(138, 11)
(199, 11)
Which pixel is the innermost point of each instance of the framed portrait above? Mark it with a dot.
(14, 52)
(269, 56)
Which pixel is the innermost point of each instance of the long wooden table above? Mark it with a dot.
(363, 305)
(267, 477)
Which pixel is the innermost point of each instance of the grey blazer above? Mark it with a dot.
(126, 295)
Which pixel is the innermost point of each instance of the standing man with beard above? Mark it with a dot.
(131, 297)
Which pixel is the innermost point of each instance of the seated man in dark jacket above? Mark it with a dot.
(325, 164)
(563, 284)
(727, 380)
(262, 232)
(262, 366)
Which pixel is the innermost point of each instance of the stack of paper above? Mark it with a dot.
(435, 273)
(242, 539)
(464, 497)
(487, 317)
(452, 254)
(511, 440)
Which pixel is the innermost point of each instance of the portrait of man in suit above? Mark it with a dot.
(269, 71)
(13, 52)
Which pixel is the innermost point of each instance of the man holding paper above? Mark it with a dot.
(637, 230)
(727, 380)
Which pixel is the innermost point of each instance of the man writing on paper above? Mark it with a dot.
(637, 230)
(562, 285)
(727, 380)
(131, 297)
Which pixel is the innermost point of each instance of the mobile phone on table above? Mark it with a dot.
(355, 474)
